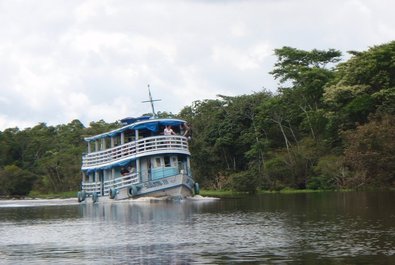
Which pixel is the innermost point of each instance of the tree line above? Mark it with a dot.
(329, 125)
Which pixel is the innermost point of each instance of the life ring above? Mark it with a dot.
(81, 196)
(132, 191)
(196, 188)
(95, 197)
(113, 193)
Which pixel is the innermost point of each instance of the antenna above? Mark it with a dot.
(151, 101)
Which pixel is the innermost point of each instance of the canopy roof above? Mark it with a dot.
(151, 124)
(130, 120)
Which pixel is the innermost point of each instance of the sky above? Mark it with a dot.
(93, 60)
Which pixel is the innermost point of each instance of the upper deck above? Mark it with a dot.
(137, 139)
(130, 151)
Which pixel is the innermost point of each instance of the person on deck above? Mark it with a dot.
(168, 130)
(124, 171)
(187, 131)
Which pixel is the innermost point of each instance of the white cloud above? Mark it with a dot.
(93, 59)
(239, 30)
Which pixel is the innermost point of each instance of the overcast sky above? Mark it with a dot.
(92, 60)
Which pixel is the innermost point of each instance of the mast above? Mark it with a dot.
(151, 101)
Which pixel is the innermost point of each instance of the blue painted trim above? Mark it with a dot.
(163, 172)
(129, 159)
(150, 124)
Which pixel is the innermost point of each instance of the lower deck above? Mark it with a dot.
(147, 171)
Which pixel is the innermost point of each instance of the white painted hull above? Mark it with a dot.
(174, 186)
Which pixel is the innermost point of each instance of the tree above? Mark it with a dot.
(9, 147)
(15, 181)
(225, 130)
(362, 85)
(307, 73)
(204, 117)
(370, 152)
(373, 69)
(329, 173)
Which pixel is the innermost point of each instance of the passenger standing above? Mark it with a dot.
(186, 130)
(168, 131)
(124, 171)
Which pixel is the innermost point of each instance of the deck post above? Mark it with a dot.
(138, 168)
(122, 138)
(188, 166)
(103, 144)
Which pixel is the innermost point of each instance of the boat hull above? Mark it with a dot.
(174, 186)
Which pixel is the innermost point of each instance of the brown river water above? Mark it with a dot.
(310, 228)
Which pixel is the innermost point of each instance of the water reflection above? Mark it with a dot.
(329, 228)
(137, 213)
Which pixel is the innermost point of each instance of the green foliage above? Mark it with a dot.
(15, 181)
(245, 181)
(362, 86)
(330, 126)
(277, 173)
(385, 100)
(47, 157)
(370, 152)
(330, 173)
(60, 195)
(9, 148)
(374, 68)
(314, 123)
(100, 127)
(359, 108)
(292, 139)
(292, 63)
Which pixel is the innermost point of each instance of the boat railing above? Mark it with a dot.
(121, 182)
(91, 187)
(135, 148)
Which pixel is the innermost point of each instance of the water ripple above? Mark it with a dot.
(228, 231)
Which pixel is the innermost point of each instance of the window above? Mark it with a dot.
(157, 162)
(167, 161)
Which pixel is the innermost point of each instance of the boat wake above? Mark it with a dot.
(196, 198)
(73, 201)
(36, 202)
(201, 198)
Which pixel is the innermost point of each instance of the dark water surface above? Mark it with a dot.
(315, 228)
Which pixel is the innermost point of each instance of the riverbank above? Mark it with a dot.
(204, 193)
(59, 195)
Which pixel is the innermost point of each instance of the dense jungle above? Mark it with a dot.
(330, 125)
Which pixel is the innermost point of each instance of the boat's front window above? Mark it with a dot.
(129, 136)
(158, 162)
(167, 161)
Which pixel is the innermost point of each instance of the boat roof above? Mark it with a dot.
(148, 124)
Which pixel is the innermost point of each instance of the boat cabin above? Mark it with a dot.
(137, 153)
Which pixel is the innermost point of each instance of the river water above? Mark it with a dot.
(312, 228)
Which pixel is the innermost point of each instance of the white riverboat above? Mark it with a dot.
(138, 160)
